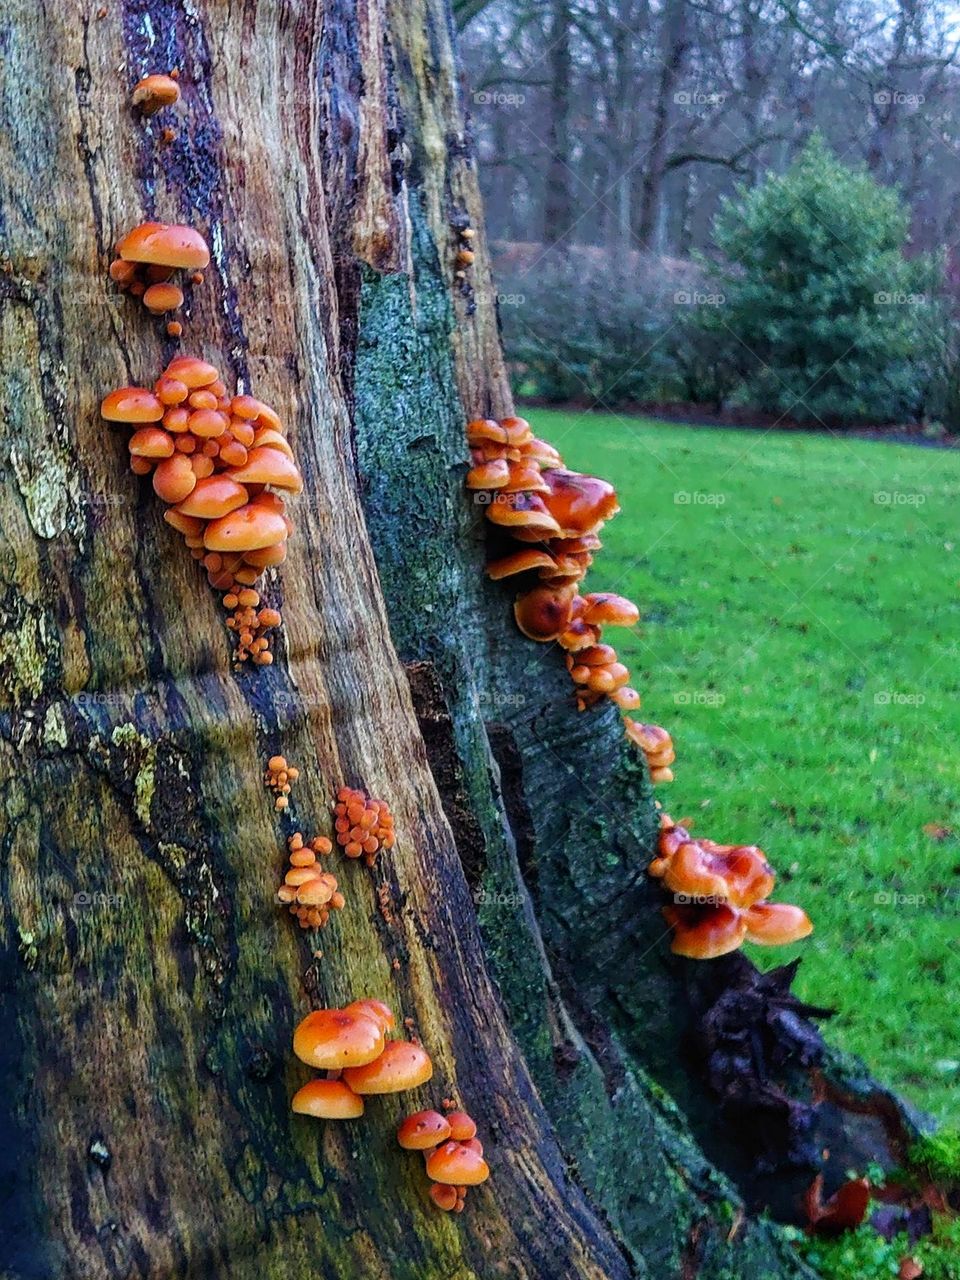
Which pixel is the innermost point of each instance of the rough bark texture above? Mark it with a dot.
(147, 1029)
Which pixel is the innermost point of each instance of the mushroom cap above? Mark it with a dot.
(738, 875)
(703, 933)
(265, 465)
(626, 699)
(774, 924)
(162, 297)
(154, 92)
(579, 504)
(174, 479)
(462, 1126)
(214, 497)
(457, 1165)
(332, 1039)
(131, 404)
(315, 890)
(375, 1009)
(270, 436)
(189, 526)
(423, 1130)
(251, 408)
(525, 478)
(519, 562)
(542, 453)
(483, 429)
(266, 556)
(544, 612)
(603, 607)
(517, 511)
(402, 1065)
(327, 1100)
(193, 373)
(249, 528)
(151, 442)
(167, 245)
(517, 429)
(489, 475)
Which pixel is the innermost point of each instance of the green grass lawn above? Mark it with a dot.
(800, 638)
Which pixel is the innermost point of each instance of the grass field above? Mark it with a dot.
(800, 638)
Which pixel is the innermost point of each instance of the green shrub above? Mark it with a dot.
(825, 317)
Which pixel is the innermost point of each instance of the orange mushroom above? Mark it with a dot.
(155, 92)
(401, 1065)
(165, 245)
(703, 933)
(248, 528)
(327, 1100)
(332, 1039)
(543, 613)
(457, 1165)
(131, 404)
(423, 1130)
(775, 924)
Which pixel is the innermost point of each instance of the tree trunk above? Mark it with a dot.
(558, 200)
(675, 48)
(150, 984)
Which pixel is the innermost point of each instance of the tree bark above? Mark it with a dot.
(558, 200)
(150, 985)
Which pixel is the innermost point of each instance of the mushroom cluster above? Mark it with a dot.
(720, 896)
(656, 745)
(465, 254)
(363, 826)
(452, 1151)
(215, 459)
(153, 93)
(279, 778)
(556, 515)
(147, 258)
(308, 891)
(351, 1044)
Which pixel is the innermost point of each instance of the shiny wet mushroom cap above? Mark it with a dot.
(327, 1100)
(332, 1039)
(165, 244)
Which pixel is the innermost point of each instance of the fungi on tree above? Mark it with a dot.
(720, 896)
(280, 777)
(401, 1065)
(657, 746)
(423, 1131)
(309, 891)
(150, 253)
(456, 1164)
(334, 1040)
(843, 1211)
(215, 438)
(131, 404)
(705, 932)
(362, 824)
(775, 924)
(543, 613)
(154, 92)
(327, 1100)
